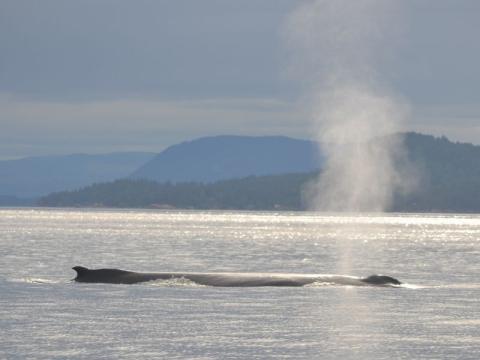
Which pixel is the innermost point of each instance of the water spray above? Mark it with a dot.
(339, 48)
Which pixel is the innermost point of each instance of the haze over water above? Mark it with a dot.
(45, 316)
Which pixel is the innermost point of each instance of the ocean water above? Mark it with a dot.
(43, 315)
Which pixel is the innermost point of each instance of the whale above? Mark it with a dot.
(228, 279)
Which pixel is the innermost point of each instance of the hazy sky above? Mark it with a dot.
(112, 75)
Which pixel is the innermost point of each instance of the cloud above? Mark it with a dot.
(459, 122)
(57, 49)
(34, 127)
(136, 72)
(39, 127)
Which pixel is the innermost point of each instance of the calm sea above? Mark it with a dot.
(43, 315)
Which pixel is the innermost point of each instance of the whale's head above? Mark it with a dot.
(381, 280)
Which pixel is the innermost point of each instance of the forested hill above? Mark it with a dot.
(251, 193)
(450, 182)
(449, 175)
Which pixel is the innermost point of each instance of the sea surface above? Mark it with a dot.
(43, 315)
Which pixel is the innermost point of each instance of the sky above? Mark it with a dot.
(98, 76)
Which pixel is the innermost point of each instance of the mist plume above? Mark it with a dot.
(340, 49)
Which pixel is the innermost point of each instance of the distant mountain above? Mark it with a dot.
(6, 200)
(37, 176)
(217, 158)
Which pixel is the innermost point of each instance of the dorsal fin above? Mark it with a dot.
(80, 270)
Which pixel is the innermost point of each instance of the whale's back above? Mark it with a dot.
(116, 276)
